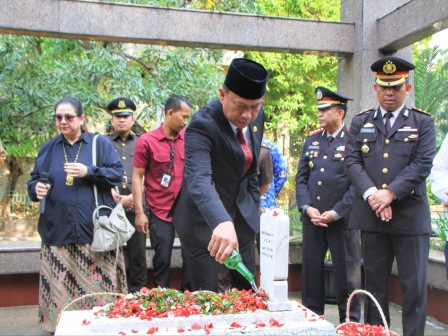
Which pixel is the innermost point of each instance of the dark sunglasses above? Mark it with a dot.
(68, 117)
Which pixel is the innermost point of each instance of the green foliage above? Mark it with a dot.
(431, 85)
(440, 230)
(36, 72)
(241, 6)
(290, 100)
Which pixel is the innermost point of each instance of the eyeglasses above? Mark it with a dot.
(68, 117)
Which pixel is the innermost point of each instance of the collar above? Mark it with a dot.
(160, 134)
(85, 137)
(335, 134)
(395, 113)
(114, 136)
(245, 129)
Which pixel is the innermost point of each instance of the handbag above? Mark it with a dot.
(109, 232)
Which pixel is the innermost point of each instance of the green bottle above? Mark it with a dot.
(234, 261)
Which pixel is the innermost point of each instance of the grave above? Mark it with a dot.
(283, 317)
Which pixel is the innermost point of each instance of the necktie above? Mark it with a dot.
(387, 117)
(330, 139)
(247, 153)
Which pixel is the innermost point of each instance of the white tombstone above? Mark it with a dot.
(274, 254)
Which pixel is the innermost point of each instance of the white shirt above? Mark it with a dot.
(394, 114)
(439, 172)
(334, 135)
(246, 133)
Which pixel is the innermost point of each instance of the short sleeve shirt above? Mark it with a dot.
(153, 153)
(125, 150)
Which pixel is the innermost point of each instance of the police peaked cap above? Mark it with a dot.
(391, 71)
(327, 98)
(121, 106)
(246, 78)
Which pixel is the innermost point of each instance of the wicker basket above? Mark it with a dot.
(69, 305)
(358, 291)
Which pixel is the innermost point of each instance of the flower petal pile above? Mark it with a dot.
(359, 329)
(147, 304)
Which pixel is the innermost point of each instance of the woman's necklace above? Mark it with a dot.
(69, 178)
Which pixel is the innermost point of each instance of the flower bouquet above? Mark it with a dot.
(361, 329)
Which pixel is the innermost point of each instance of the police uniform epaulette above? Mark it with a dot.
(420, 110)
(365, 111)
(316, 131)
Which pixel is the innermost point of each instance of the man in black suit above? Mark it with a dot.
(217, 208)
(389, 156)
(324, 195)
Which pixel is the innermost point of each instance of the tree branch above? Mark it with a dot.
(32, 112)
(150, 69)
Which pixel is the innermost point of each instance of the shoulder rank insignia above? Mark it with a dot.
(317, 131)
(421, 111)
(365, 111)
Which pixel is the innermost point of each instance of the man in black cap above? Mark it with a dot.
(123, 140)
(324, 195)
(217, 208)
(389, 156)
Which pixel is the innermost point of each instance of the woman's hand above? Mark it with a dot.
(75, 169)
(41, 190)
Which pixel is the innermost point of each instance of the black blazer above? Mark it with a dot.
(400, 162)
(213, 189)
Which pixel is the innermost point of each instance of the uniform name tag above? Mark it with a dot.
(367, 130)
(313, 147)
(407, 130)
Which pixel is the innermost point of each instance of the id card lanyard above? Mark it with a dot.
(166, 177)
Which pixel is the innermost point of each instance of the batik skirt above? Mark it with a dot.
(71, 271)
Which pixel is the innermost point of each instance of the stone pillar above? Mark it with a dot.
(274, 253)
(355, 79)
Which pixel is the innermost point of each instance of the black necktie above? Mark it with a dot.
(387, 116)
(330, 139)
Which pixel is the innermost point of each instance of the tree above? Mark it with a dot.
(431, 84)
(36, 72)
(290, 101)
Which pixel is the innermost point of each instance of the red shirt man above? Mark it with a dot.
(153, 154)
(159, 158)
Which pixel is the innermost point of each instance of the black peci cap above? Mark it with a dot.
(327, 98)
(391, 71)
(246, 78)
(121, 106)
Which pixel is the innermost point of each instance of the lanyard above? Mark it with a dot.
(172, 154)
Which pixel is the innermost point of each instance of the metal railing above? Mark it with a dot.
(19, 206)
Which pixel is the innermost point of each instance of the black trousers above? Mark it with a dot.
(411, 253)
(136, 246)
(346, 257)
(201, 270)
(161, 235)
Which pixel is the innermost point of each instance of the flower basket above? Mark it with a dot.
(86, 296)
(361, 329)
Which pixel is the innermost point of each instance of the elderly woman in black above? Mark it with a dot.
(69, 269)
